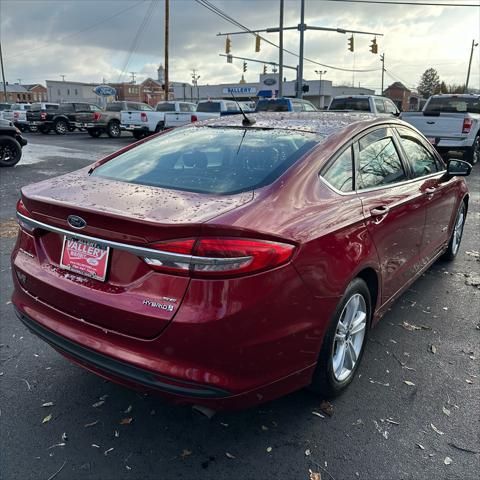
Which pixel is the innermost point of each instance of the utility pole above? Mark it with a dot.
(320, 73)
(300, 63)
(470, 65)
(382, 59)
(63, 77)
(167, 19)
(132, 74)
(3, 75)
(280, 52)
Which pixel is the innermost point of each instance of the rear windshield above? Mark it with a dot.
(209, 107)
(272, 106)
(4, 106)
(360, 104)
(454, 105)
(210, 160)
(165, 107)
(45, 106)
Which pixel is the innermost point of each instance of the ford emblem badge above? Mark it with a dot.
(76, 222)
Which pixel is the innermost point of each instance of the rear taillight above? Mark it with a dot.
(217, 257)
(96, 116)
(194, 118)
(43, 115)
(467, 125)
(22, 210)
(143, 117)
(16, 115)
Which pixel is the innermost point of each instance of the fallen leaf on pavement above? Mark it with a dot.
(94, 445)
(314, 475)
(91, 424)
(230, 456)
(327, 408)
(433, 348)
(409, 383)
(106, 452)
(264, 428)
(435, 429)
(48, 404)
(420, 446)
(47, 418)
(98, 404)
(468, 381)
(126, 421)
(446, 411)
(463, 449)
(269, 449)
(307, 452)
(318, 414)
(117, 433)
(186, 453)
(447, 461)
(64, 436)
(56, 445)
(129, 409)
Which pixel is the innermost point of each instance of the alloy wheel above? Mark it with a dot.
(61, 128)
(458, 230)
(349, 337)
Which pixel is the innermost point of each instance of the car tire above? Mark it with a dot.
(10, 151)
(113, 129)
(94, 132)
(138, 135)
(473, 153)
(457, 232)
(33, 128)
(160, 127)
(60, 127)
(344, 341)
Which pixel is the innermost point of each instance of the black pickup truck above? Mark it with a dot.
(11, 143)
(62, 119)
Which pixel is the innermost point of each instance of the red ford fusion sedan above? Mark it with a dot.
(229, 263)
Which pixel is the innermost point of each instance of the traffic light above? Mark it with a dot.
(305, 88)
(351, 44)
(257, 43)
(264, 69)
(244, 66)
(228, 45)
(374, 46)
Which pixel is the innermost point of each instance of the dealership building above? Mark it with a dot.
(320, 92)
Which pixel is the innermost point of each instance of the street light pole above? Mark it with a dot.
(280, 53)
(300, 63)
(382, 59)
(167, 18)
(470, 65)
(3, 75)
(320, 73)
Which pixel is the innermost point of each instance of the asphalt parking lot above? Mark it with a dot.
(56, 417)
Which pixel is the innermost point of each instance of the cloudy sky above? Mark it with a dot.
(88, 40)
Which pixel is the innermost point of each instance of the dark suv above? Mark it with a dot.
(62, 119)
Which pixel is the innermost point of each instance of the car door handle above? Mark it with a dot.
(430, 190)
(378, 211)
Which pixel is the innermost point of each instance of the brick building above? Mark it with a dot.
(17, 93)
(404, 98)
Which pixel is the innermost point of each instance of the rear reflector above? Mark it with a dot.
(96, 116)
(23, 210)
(194, 118)
(217, 257)
(467, 125)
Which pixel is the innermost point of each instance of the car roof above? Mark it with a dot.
(323, 123)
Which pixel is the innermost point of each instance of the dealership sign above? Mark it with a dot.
(269, 81)
(104, 91)
(244, 90)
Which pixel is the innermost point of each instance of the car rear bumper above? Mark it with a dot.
(134, 128)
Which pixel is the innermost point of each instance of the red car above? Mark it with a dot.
(227, 264)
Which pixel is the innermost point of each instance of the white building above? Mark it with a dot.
(319, 92)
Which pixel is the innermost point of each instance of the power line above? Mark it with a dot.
(380, 2)
(222, 14)
(61, 39)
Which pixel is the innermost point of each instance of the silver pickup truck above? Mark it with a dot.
(451, 123)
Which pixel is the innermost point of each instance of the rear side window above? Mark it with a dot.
(114, 107)
(359, 104)
(218, 161)
(297, 107)
(308, 107)
(379, 105)
(50, 106)
(339, 173)
(378, 160)
(421, 161)
(209, 107)
(390, 107)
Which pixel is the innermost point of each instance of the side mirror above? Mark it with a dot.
(458, 168)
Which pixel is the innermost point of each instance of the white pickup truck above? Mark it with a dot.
(206, 109)
(451, 123)
(145, 122)
(17, 114)
(375, 104)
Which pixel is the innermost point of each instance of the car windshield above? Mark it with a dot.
(165, 107)
(211, 160)
(272, 106)
(360, 104)
(209, 107)
(454, 105)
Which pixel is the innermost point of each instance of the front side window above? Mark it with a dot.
(422, 162)
(390, 107)
(212, 160)
(339, 173)
(378, 160)
(308, 107)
